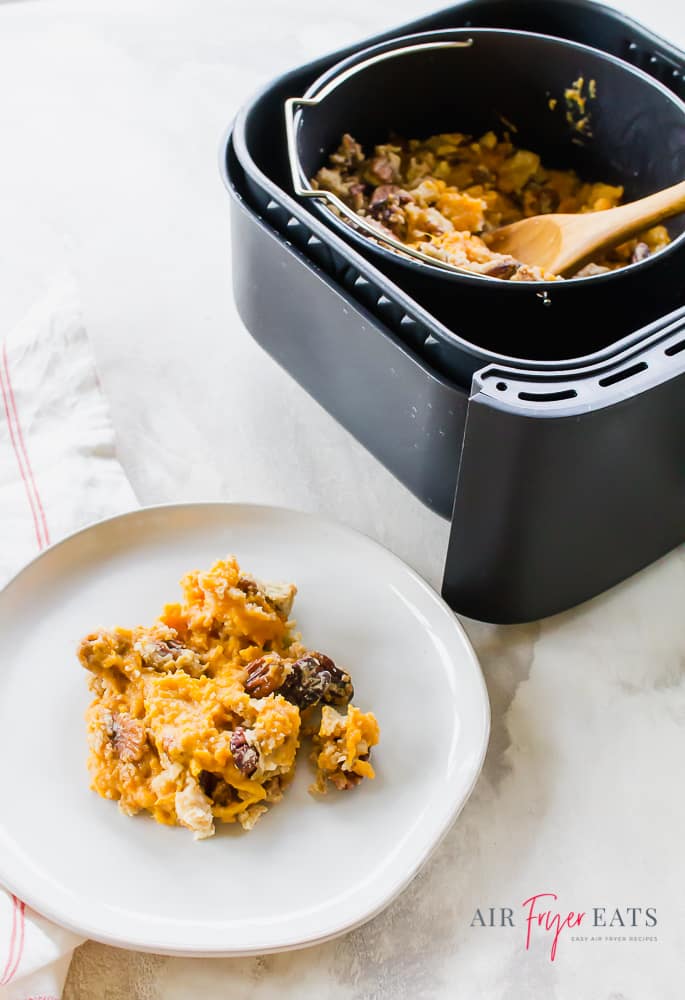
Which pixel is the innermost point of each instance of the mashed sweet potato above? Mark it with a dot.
(199, 716)
(445, 194)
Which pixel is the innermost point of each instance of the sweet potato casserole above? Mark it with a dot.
(199, 717)
(443, 195)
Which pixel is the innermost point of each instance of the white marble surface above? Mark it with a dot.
(110, 118)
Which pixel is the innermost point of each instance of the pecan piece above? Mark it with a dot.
(248, 585)
(481, 175)
(215, 788)
(315, 678)
(348, 154)
(640, 252)
(265, 675)
(383, 169)
(158, 654)
(162, 655)
(503, 269)
(356, 198)
(245, 753)
(386, 205)
(344, 780)
(126, 736)
(389, 193)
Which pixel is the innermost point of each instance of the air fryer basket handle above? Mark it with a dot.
(301, 185)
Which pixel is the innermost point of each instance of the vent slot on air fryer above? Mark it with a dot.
(622, 375)
(658, 65)
(548, 397)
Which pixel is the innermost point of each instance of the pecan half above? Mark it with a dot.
(126, 736)
(265, 675)
(245, 754)
(315, 678)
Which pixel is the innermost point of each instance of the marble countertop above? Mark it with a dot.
(111, 117)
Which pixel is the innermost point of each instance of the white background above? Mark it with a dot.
(110, 119)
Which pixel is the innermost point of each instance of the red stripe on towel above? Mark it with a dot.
(13, 938)
(17, 937)
(29, 495)
(20, 947)
(38, 503)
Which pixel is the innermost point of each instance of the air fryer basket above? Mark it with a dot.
(635, 137)
(259, 139)
(420, 82)
(563, 478)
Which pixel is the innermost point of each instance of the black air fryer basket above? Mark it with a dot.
(561, 462)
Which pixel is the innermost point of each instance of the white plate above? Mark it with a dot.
(310, 869)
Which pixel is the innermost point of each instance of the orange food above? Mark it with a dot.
(199, 716)
(444, 195)
(342, 747)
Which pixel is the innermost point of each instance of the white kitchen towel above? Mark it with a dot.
(58, 471)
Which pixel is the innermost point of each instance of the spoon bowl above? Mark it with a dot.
(560, 244)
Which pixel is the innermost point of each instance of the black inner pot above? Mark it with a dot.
(637, 139)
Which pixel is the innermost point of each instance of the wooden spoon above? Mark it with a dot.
(560, 244)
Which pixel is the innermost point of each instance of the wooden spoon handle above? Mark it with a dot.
(626, 220)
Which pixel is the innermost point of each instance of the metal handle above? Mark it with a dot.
(301, 185)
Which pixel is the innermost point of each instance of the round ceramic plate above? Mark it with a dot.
(311, 868)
